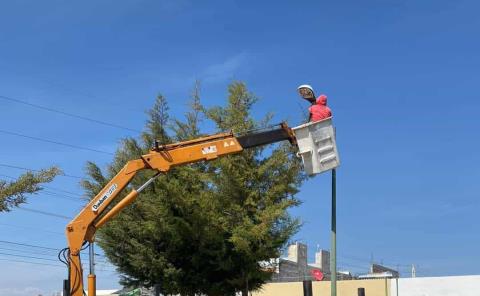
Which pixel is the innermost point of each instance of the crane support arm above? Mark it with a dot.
(266, 137)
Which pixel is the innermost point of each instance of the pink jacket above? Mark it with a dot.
(320, 110)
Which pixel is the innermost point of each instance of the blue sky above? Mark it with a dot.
(402, 79)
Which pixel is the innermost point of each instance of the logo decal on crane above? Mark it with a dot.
(105, 196)
(209, 149)
(227, 144)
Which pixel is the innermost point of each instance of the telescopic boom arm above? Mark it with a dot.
(162, 158)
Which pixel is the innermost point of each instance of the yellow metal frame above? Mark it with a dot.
(83, 227)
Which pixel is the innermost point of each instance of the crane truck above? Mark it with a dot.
(80, 232)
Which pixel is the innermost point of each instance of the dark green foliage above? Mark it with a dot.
(13, 193)
(203, 228)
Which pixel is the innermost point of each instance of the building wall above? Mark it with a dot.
(322, 260)
(296, 269)
(290, 272)
(298, 253)
(375, 287)
(437, 286)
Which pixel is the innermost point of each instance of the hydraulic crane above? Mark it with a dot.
(81, 230)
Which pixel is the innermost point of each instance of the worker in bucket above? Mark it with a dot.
(319, 109)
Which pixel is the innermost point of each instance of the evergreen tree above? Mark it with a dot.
(14, 193)
(203, 228)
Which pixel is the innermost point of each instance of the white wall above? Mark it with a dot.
(437, 286)
(104, 292)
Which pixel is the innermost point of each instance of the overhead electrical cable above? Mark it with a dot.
(36, 170)
(38, 258)
(352, 265)
(44, 253)
(30, 251)
(54, 142)
(64, 191)
(60, 194)
(30, 262)
(45, 213)
(48, 187)
(31, 228)
(25, 256)
(53, 195)
(28, 245)
(36, 246)
(49, 109)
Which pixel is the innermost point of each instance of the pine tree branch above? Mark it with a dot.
(14, 193)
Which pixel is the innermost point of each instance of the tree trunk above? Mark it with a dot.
(245, 290)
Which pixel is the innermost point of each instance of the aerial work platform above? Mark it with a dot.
(317, 146)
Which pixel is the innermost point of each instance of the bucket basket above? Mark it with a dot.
(317, 146)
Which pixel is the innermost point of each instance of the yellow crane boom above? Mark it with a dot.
(81, 230)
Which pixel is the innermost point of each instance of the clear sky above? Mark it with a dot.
(401, 76)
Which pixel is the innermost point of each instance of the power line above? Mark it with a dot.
(49, 109)
(58, 194)
(30, 262)
(51, 194)
(30, 257)
(64, 197)
(35, 170)
(54, 142)
(48, 187)
(45, 213)
(102, 262)
(39, 258)
(63, 190)
(45, 253)
(48, 264)
(36, 246)
(31, 228)
(352, 265)
(28, 245)
(34, 252)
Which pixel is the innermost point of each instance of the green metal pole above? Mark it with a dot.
(333, 255)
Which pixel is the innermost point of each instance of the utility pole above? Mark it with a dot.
(333, 257)
(306, 92)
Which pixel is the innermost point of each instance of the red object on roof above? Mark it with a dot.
(317, 274)
(319, 110)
